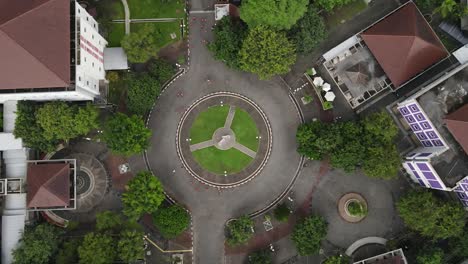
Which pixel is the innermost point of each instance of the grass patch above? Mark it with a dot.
(245, 129)
(156, 8)
(117, 10)
(116, 34)
(164, 28)
(346, 12)
(117, 89)
(207, 122)
(217, 161)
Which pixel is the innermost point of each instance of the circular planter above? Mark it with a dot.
(343, 207)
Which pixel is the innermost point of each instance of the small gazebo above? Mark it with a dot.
(359, 73)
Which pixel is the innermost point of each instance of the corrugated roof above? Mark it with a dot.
(48, 185)
(457, 124)
(404, 44)
(34, 44)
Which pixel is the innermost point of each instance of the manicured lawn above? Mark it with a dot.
(207, 122)
(116, 34)
(164, 28)
(217, 161)
(156, 8)
(245, 129)
(118, 10)
(337, 16)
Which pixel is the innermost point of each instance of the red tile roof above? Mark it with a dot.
(404, 44)
(457, 123)
(48, 185)
(34, 44)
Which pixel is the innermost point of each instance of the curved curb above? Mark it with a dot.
(256, 171)
(364, 241)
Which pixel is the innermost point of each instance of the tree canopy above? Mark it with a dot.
(131, 246)
(366, 144)
(307, 235)
(329, 5)
(140, 46)
(260, 257)
(161, 70)
(126, 135)
(229, 34)
(171, 221)
(309, 31)
(239, 230)
(282, 212)
(430, 216)
(433, 255)
(341, 259)
(97, 248)
(38, 244)
(142, 92)
(144, 195)
(68, 252)
(277, 14)
(266, 52)
(108, 220)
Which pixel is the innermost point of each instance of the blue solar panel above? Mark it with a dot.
(423, 166)
(404, 111)
(435, 185)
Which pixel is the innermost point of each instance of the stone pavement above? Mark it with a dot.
(245, 150)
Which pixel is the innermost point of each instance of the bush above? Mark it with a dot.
(282, 213)
(68, 252)
(161, 70)
(97, 249)
(260, 257)
(239, 230)
(341, 259)
(108, 220)
(307, 235)
(356, 208)
(171, 221)
(142, 93)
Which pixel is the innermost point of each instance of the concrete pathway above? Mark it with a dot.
(202, 145)
(245, 150)
(127, 17)
(230, 116)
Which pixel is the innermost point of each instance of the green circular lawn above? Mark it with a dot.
(220, 161)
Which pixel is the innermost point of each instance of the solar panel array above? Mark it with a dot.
(421, 126)
(425, 174)
(462, 191)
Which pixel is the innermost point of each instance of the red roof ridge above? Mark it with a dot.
(34, 57)
(24, 13)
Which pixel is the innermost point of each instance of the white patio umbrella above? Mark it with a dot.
(326, 87)
(330, 96)
(318, 81)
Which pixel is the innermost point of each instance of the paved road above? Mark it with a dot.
(211, 208)
(127, 16)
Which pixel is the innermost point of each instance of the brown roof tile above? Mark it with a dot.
(404, 44)
(34, 44)
(48, 185)
(457, 123)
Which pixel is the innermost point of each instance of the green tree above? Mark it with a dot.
(341, 259)
(108, 220)
(97, 248)
(309, 31)
(140, 46)
(228, 36)
(260, 257)
(161, 70)
(282, 212)
(379, 126)
(349, 151)
(382, 162)
(131, 246)
(126, 135)
(62, 122)
(308, 235)
(239, 230)
(171, 221)
(142, 93)
(306, 136)
(28, 129)
(68, 252)
(38, 244)
(144, 195)
(277, 14)
(433, 255)
(329, 5)
(430, 216)
(459, 245)
(266, 52)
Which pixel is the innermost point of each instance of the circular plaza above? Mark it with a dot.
(224, 139)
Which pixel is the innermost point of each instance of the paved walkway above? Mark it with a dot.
(127, 17)
(230, 116)
(202, 145)
(245, 150)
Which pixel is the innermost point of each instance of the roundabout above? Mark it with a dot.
(224, 139)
